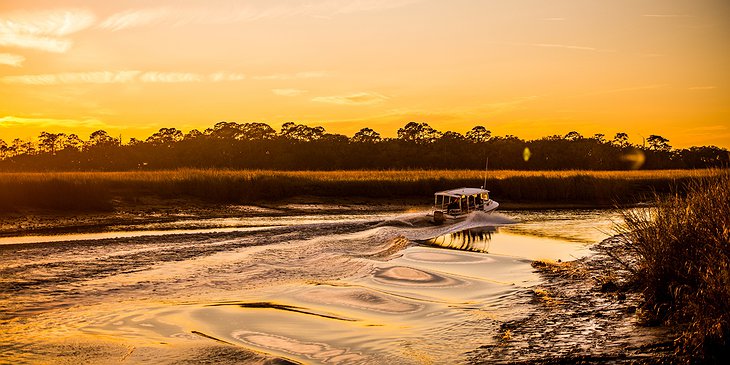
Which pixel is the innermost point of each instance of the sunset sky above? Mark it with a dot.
(530, 68)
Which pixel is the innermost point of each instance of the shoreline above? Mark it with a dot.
(585, 311)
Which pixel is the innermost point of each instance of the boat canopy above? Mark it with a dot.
(458, 193)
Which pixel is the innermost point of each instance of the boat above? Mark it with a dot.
(459, 203)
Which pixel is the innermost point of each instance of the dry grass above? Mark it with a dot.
(94, 190)
(683, 249)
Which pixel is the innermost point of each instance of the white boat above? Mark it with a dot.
(459, 203)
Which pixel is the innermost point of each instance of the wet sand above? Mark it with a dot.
(312, 288)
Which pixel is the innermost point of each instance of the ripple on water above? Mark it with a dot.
(446, 257)
(311, 350)
(359, 298)
(408, 276)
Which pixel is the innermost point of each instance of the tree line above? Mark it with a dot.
(255, 145)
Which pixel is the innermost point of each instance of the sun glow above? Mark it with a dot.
(133, 68)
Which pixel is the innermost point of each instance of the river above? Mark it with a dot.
(316, 288)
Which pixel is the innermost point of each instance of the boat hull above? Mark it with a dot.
(439, 216)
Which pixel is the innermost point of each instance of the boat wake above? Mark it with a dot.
(354, 289)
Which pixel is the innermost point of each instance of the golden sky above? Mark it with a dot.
(530, 68)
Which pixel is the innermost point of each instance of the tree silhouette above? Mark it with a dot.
(573, 136)
(300, 132)
(165, 136)
(418, 133)
(300, 147)
(193, 134)
(621, 140)
(224, 130)
(51, 142)
(452, 136)
(72, 141)
(479, 134)
(658, 143)
(3, 150)
(101, 138)
(366, 135)
(257, 132)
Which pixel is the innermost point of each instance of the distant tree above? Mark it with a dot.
(16, 147)
(256, 132)
(418, 133)
(573, 136)
(224, 130)
(101, 138)
(554, 137)
(72, 141)
(621, 140)
(600, 138)
(3, 150)
(22, 147)
(366, 135)
(134, 142)
(300, 132)
(193, 134)
(51, 142)
(479, 134)
(334, 138)
(706, 156)
(452, 136)
(658, 143)
(165, 136)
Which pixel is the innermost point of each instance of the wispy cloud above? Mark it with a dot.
(225, 76)
(14, 122)
(11, 59)
(168, 77)
(666, 15)
(43, 30)
(702, 87)
(119, 77)
(298, 75)
(565, 46)
(97, 77)
(242, 12)
(134, 18)
(555, 45)
(361, 98)
(627, 89)
(288, 92)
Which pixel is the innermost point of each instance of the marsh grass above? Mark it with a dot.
(682, 247)
(96, 190)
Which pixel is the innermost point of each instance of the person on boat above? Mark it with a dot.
(478, 200)
(453, 205)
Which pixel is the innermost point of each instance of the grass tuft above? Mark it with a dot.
(682, 246)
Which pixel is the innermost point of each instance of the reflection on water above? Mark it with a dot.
(340, 290)
(476, 239)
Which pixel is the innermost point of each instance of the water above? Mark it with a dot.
(315, 289)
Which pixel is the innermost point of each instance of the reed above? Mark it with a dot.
(682, 245)
(97, 190)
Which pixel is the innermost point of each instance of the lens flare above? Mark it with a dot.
(635, 158)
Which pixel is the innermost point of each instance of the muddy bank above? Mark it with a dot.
(583, 312)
